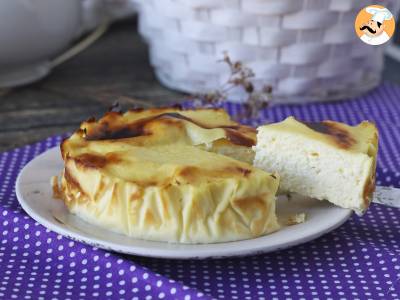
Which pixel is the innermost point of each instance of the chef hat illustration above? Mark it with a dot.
(379, 14)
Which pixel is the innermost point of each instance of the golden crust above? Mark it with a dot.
(146, 123)
(178, 194)
(339, 135)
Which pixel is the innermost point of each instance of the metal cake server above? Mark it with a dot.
(385, 195)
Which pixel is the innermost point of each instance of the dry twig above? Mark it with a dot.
(240, 76)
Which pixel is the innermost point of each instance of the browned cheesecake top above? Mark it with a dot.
(161, 126)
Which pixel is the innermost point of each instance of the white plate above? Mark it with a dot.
(35, 196)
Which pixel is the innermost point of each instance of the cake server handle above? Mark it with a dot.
(387, 196)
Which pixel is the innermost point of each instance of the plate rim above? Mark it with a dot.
(163, 253)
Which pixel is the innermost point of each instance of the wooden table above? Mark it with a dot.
(115, 68)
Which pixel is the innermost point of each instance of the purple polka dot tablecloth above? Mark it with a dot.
(359, 260)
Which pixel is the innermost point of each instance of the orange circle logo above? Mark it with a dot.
(374, 25)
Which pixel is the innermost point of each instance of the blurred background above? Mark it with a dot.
(74, 59)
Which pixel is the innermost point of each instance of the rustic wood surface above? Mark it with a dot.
(115, 68)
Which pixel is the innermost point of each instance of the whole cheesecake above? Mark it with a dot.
(325, 160)
(161, 175)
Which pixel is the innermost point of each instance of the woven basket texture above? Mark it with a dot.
(306, 50)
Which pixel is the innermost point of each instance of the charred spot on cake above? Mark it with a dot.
(137, 128)
(106, 132)
(80, 132)
(340, 135)
(238, 138)
(89, 160)
(273, 176)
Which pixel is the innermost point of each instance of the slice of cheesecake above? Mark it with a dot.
(324, 160)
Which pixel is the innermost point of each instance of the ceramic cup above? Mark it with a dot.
(31, 33)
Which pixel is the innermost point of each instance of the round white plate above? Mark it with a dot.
(34, 193)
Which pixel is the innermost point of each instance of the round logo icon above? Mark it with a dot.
(374, 25)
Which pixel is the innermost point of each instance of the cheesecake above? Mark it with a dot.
(324, 160)
(171, 175)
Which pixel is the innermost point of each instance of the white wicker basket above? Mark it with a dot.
(306, 50)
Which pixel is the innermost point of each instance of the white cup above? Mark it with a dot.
(32, 32)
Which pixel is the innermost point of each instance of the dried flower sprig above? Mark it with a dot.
(240, 76)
